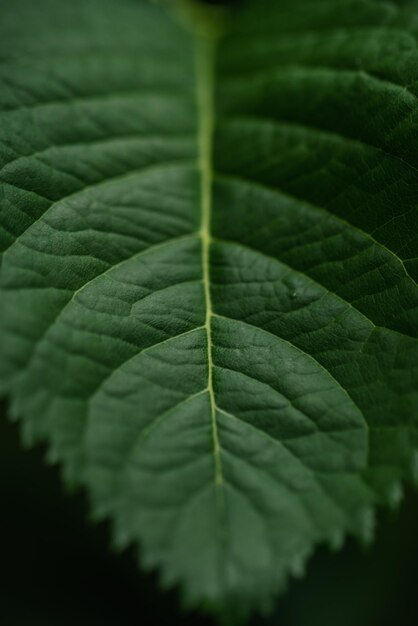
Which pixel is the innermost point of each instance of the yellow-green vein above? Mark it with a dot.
(205, 90)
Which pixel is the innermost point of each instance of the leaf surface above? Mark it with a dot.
(209, 273)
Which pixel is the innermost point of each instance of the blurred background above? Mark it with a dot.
(57, 569)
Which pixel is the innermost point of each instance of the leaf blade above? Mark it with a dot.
(200, 316)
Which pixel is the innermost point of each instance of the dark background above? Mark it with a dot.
(57, 569)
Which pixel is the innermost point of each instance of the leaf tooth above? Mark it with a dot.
(120, 538)
(52, 455)
(149, 561)
(336, 539)
(29, 435)
(367, 524)
(297, 566)
(13, 411)
(168, 580)
(99, 512)
(394, 495)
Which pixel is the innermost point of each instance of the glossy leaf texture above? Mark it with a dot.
(209, 304)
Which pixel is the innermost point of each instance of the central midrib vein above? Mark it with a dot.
(205, 101)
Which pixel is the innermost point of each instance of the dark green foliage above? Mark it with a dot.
(209, 275)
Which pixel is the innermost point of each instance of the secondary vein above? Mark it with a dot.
(205, 90)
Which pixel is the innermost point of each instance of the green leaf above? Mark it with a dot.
(209, 273)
